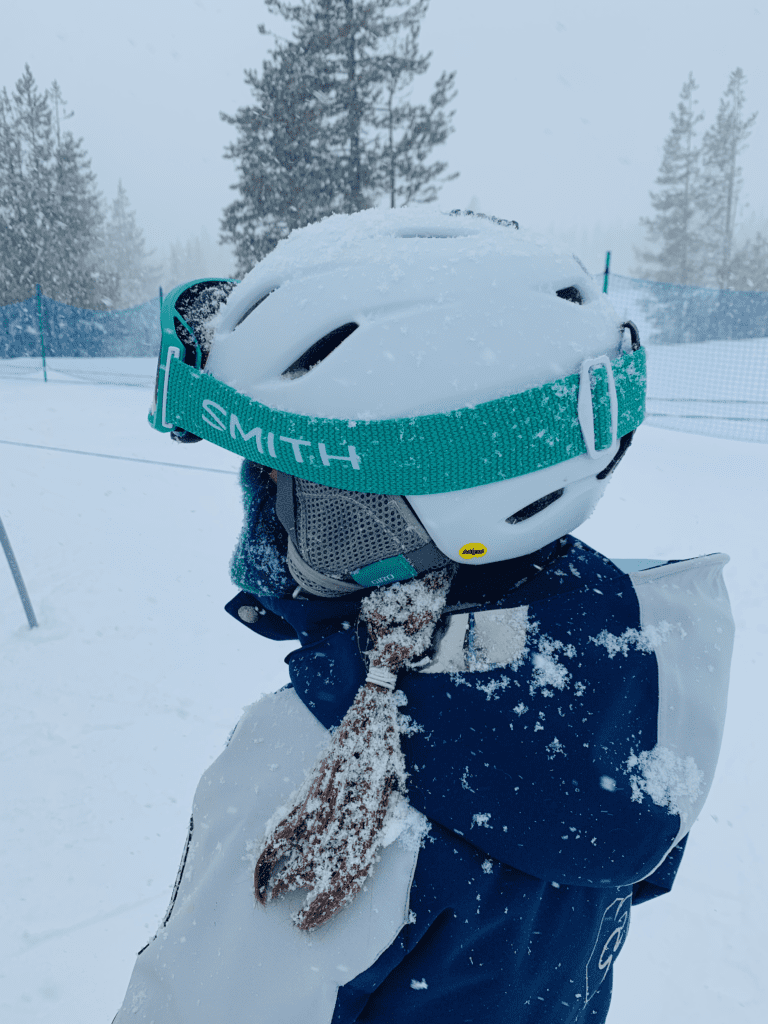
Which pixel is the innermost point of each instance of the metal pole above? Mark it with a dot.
(607, 270)
(40, 328)
(16, 573)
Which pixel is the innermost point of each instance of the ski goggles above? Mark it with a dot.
(586, 412)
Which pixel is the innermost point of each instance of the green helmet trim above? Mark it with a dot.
(430, 454)
(388, 570)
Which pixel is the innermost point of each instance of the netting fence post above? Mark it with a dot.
(40, 328)
(607, 270)
(17, 579)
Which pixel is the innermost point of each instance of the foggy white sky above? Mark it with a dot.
(561, 113)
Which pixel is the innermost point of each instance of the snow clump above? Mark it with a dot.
(669, 780)
(646, 639)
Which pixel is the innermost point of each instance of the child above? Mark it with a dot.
(493, 740)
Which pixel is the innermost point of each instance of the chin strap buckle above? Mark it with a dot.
(586, 409)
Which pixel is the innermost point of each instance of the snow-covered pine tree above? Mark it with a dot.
(674, 228)
(27, 172)
(128, 277)
(73, 259)
(50, 212)
(719, 194)
(284, 180)
(411, 131)
(330, 129)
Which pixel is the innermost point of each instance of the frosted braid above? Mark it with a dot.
(328, 842)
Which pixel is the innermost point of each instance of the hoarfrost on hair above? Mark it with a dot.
(353, 800)
(669, 780)
(259, 555)
(401, 619)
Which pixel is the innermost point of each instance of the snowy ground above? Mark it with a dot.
(116, 704)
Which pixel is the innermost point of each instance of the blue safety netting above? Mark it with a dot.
(675, 314)
(26, 327)
(707, 350)
(707, 355)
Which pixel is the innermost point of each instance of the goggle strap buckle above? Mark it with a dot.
(586, 411)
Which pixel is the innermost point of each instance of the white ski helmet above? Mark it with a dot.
(449, 360)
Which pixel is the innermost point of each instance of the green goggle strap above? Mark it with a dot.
(585, 412)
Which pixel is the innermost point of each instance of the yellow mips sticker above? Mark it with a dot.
(473, 551)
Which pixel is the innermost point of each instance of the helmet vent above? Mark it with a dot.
(571, 294)
(250, 309)
(536, 506)
(319, 351)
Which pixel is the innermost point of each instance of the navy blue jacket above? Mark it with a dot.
(559, 785)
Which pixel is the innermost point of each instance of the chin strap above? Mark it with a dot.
(624, 444)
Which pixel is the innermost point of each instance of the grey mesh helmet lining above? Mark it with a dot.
(315, 582)
(333, 533)
(337, 531)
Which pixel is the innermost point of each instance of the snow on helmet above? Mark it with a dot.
(464, 388)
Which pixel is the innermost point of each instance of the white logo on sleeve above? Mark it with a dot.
(610, 939)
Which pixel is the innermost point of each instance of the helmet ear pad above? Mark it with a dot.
(342, 541)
